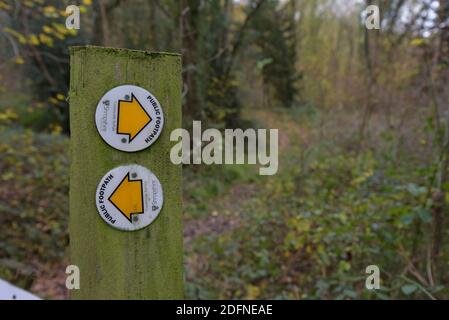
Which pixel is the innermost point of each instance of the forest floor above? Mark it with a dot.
(223, 213)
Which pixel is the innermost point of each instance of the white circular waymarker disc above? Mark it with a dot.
(129, 118)
(129, 197)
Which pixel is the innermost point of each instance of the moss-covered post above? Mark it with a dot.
(114, 264)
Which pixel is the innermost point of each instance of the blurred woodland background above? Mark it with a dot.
(363, 118)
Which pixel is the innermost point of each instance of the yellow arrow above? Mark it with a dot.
(131, 117)
(128, 197)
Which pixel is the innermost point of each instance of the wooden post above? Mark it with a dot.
(114, 264)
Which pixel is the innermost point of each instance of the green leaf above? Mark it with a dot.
(415, 190)
(408, 219)
(424, 215)
(408, 289)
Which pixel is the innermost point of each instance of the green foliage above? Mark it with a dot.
(311, 234)
(311, 230)
(216, 88)
(40, 40)
(273, 31)
(33, 201)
